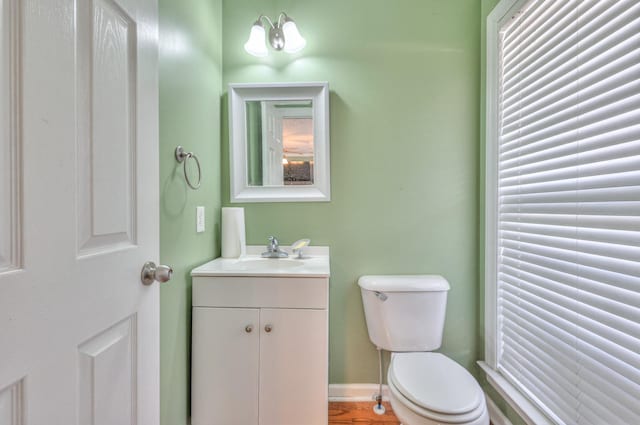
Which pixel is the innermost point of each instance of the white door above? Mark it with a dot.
(78, 212)
(272, 166)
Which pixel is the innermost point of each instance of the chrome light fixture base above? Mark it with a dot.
(276, 37)
(283, 35)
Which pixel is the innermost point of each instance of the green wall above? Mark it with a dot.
(407, 142)
(190, 90)
(404, 153)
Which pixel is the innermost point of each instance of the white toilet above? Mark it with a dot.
(405, 315)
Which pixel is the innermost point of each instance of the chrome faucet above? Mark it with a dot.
(273, 249)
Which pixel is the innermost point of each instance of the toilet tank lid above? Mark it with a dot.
(404, 283)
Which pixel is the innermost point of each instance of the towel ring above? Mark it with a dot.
(182, 157)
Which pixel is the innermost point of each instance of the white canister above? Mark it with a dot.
(234, 242)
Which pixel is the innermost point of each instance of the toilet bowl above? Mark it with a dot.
(429, 389)
(405, 315)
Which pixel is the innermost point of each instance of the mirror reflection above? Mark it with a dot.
(280, 146)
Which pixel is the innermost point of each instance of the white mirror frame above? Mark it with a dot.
(239, 94)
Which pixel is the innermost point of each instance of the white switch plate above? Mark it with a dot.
(199, 219)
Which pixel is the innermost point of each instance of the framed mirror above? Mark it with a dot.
(279, 142)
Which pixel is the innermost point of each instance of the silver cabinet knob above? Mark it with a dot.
(248, 329)
(268, 328)
(150, 273)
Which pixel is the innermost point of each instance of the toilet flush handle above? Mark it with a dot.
(381, 295)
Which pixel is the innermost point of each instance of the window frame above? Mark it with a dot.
(504, 11)
(528, 411)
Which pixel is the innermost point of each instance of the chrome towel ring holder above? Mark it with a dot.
(182, 157)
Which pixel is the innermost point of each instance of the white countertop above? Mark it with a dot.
(314, 264)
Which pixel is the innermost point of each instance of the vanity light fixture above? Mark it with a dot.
(283, 35)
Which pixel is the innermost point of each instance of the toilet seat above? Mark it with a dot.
(435, 387)
(405, 409)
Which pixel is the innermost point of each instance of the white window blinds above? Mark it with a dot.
(568, 258)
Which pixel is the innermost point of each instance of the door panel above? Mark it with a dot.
(107, 149)
(293, 367)
(11, 405)
(107, 393)
(79, 332)
(225, 366)
(10, 160)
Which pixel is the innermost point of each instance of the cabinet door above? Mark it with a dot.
(224, 382)
(293, 367)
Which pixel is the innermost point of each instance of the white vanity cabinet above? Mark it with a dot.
(260, 349)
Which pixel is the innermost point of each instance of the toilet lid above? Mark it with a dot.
(435, 382)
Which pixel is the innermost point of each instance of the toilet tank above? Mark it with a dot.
(405, 312)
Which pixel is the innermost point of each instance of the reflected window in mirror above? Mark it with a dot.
(297, 158)
(280, 148)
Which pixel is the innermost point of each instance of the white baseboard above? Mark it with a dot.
(356, 392)
(496, 415)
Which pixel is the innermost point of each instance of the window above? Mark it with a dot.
(563, 207)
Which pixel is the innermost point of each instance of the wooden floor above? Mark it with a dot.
(360, 413)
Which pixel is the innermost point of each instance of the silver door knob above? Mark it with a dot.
(268, 328)
(150, 273)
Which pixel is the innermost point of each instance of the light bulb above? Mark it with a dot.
(293, 41)
(256, 44)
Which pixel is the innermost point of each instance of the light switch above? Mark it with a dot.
(199, 219)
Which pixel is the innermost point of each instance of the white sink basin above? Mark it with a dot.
(266, 264)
